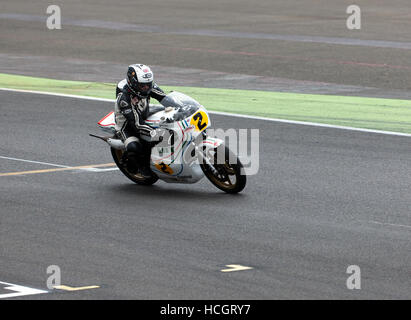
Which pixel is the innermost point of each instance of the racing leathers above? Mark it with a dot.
(131, 111)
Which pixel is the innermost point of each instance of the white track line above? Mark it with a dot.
(59, 165)
(38, 162)
(59, 94)
(100, 170)
(391, 224)
(18, 290)
(313, 124)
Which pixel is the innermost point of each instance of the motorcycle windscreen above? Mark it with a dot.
(184, 105)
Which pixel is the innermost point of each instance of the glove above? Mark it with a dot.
(157, 135)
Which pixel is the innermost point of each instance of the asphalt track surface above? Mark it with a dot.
(323, 199)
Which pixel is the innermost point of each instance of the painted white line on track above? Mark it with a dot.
(235, 267)
(59, 165)
(59, 94)
(391, 224)
(100, 170)
(312, 124)
(32, 161)
(19, 290)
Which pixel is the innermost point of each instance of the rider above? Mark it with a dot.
(131, 111)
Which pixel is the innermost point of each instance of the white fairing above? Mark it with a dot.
(187, 119)
(108, 123)
(175, 169)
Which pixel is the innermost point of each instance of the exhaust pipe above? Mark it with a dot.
(114, 143)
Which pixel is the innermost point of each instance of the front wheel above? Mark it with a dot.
(228, 175)
(137, 178)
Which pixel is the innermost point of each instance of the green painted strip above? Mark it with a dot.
(183, 124)
(359, 112)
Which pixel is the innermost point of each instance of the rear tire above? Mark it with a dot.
(136, 178)
(226, 170)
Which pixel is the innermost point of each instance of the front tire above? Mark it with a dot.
(136, 178)
(229, 177)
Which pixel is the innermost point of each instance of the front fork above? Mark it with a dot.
(205, 160)
(202, 157)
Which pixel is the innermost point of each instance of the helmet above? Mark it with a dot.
(140, 79)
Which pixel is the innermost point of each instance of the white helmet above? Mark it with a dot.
(140, 79)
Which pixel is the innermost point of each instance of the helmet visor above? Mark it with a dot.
(144, 87)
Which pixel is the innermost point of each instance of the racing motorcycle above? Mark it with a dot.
(185, 153)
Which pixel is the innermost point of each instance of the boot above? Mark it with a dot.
(128, 161)
(144, 168)
(145, 172)
(123, 160)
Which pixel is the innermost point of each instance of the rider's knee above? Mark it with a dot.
(133, 145)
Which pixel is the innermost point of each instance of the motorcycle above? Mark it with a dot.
(184, 153)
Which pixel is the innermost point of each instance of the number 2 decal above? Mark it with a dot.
(199, 120)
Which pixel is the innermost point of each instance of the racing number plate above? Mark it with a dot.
(199, 120)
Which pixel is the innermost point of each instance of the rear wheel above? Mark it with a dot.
(228, 176)
(135, 177)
